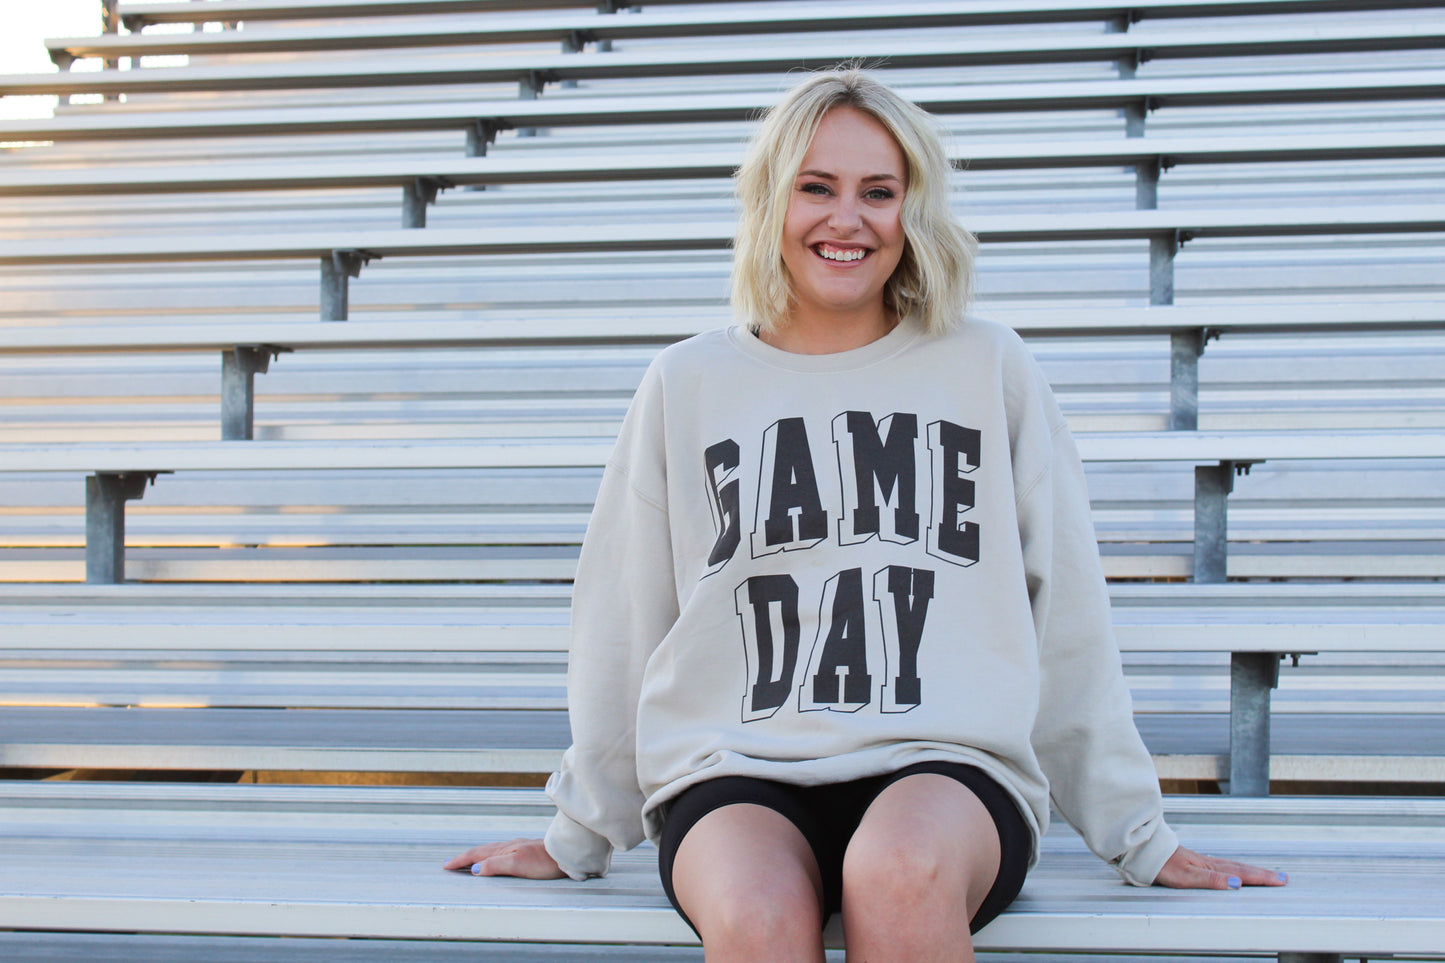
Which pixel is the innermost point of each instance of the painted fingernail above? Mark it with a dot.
(1234, 882)
(1284, 877)
(476, 869)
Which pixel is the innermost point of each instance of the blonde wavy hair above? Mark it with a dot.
(934, 277)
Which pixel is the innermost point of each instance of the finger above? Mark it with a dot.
(461, 861)
(1196, 873)
(1248, 875)
(504, 864)
(465, 860)
(1257, 875)
(511, 862)
(1207, 878)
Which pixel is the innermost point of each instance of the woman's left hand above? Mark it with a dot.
(1187, 869)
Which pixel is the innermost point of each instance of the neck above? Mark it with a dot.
(803, 333)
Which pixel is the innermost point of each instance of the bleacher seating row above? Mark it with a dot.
(354, 563)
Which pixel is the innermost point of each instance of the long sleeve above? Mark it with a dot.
(624, 602)
(1101, 777)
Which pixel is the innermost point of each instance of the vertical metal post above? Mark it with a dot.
(573, 43)
(529, 88)
(110, 23)
(413, 204)
(416, 196)
(1146, 191)
(479, 135)
(105, 496)
(1134, 114)
(336, 269)
(1212, 485)
(1162, 248)
(1251, 677)
(1185, 348)
(239, 367)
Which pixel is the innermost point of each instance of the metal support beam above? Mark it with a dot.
(574, 42)
(1146, 190)
(105, 496)
(110, 23)
(1252, 675)
(479, 135)
(335, 286)
(416, 196)
(530, 88)
(1212, 485)
(1128, 67)
(1162, 248)
(1185, 348)
(239, 367)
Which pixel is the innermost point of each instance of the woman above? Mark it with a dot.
(840, 627)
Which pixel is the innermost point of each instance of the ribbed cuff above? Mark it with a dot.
(579, 852)
(1142, 866)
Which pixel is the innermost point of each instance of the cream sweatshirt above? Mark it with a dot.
(816, 568)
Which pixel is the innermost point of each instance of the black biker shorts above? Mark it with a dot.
(828, 815)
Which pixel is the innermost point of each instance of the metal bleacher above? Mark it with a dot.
(434, 244)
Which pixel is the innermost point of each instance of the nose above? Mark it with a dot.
(844, 217)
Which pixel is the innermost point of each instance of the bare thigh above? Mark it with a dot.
(747, 879)
(921, 863)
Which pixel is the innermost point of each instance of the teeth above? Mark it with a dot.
(835, 255)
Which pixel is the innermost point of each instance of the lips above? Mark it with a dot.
(832, 252)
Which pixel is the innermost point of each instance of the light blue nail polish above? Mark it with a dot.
(476, 869)
(1234, 882)
(1284, 877)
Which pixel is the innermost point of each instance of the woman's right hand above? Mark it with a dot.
(527, 858)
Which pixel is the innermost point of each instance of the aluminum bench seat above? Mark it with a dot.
(365, 863)
(118, 473)
(519, 168)
(139, 14)
(657, 109)
(653, 325)
(421, 661)
(1347, 661)
(38, 947)
(754, 58)
(1124, 447)
(712, 235)
(762, 19)
(1172, 561)
(1340, 748)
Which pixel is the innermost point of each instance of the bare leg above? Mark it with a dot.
(748, 881)
(918, 868)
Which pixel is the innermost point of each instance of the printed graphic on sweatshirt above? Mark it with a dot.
(882, 475)
(864, 647)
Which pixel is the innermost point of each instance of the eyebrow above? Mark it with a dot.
(833, 177)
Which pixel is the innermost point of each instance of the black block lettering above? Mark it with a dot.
(873, 469)
(771, 661)
(788, 492)
(902, 595)
(723, 487)
(954, 452)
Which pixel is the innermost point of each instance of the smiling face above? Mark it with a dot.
(843, 234)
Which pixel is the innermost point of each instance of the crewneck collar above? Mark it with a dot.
(903, 334)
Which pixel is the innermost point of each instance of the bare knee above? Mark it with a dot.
(774, 920)
(748, 882)
(900, 869)
(917, 870)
